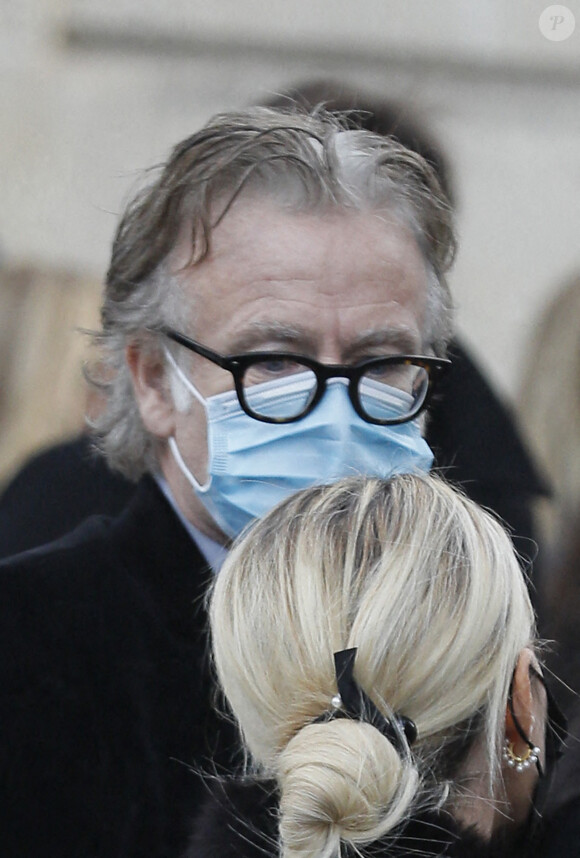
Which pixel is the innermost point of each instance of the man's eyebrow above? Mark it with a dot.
(258, 334)
(401, 339)
(273, 335)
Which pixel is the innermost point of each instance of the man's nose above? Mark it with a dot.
(336, 383)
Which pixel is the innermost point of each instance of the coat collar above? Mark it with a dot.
(156, 549)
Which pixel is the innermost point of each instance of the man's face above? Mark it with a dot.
(337, 287)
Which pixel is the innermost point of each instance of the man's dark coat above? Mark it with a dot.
(105, 689)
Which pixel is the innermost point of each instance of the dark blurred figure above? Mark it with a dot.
(382, 116)
(54, 491)
(472, 433)
(563, 659)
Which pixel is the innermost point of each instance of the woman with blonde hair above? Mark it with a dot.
(375, 642)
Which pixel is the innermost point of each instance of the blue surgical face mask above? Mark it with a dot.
(253, 465)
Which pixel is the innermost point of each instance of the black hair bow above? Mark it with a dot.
(356, 704)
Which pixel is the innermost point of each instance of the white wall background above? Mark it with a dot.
(91, 91)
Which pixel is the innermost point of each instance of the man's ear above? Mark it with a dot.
(149, 374)
(523, 705)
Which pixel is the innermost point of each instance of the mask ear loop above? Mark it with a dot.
(184, 379)
(521, 732)
(196, 486)
(557, 725)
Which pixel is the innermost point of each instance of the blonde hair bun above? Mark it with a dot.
(340, 780)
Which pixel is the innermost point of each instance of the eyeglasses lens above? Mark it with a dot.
(279, 389)
(390, 391)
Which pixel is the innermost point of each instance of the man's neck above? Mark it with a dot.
(214, 553)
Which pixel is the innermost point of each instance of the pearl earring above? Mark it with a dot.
(520, 764)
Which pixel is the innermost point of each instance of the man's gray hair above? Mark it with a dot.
(304, 162)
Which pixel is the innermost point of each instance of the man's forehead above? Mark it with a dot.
(280, 277)
(251, 218)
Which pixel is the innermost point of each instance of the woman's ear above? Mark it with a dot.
(154, 399)
(522, 704)
(528, 707)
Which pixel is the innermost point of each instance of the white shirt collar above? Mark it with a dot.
(214, 553)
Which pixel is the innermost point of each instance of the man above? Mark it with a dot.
(275, 315)
(471, 432)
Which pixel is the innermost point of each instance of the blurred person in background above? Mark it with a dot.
(44, 398)
(549, 407)
(43, 395)
(549, 410)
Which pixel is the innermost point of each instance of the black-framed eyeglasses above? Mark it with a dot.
(277, 387)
